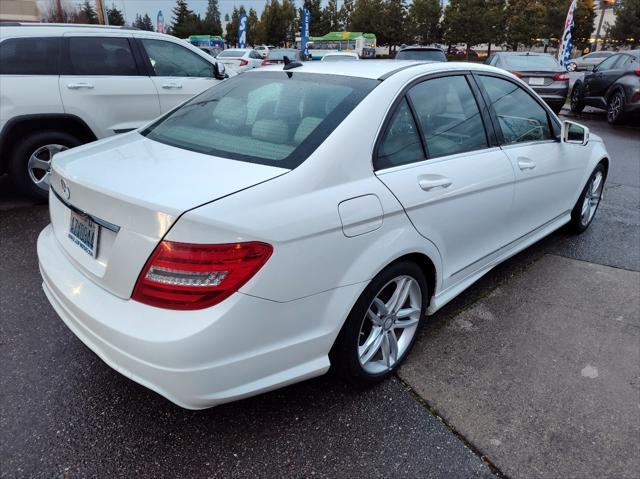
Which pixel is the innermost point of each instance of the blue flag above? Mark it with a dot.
(564, 51)
(304, 31)
(242, 31)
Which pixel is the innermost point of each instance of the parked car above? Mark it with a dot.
(65, 85)
(431, 54)
(213, 51)
(263, 50)
(588, 61)
(245, 241)
(613, 85)
(241, 59)
(277, 56)
(540, 71)
(340, 57)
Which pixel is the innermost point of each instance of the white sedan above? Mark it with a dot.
(240, 59)
(284, 222)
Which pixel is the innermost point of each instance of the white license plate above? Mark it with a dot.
(84, 232)
(536, 81)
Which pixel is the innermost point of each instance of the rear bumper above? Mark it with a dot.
(197, 359)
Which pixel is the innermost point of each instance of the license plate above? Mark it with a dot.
(536, 81)
(84, 232)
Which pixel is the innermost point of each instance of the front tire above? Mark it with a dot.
(615, 107)
(585, 208)
(381, 328)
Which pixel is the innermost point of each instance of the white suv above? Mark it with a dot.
(65, 85)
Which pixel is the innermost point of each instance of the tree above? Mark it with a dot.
(87, 13)
(115, 16)
(425, 21)
(346, 10)
(290, 20)
(226, 17)
(583, 24)
(143, 23)
(496, 23)
(66, 13)
(465, 21)
(524, 20)
(185, 22)
(231, 35)
(626, 28)
(394, 25)
(331, 17)
(252, 27)
(318, 26)
(211, 21)
(366, 17)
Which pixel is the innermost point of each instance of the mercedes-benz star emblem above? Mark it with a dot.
(65, 189)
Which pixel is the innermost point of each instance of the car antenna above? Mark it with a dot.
(288, 64)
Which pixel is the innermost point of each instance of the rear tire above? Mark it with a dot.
(585, 208)
(615, 107)
(30, 161)
(577, 98)
(365, 352)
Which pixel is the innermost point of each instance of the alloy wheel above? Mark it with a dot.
(592, 198)
(389, 325)
(39, 165)
(615, 107)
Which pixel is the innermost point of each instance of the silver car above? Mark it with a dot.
(588, 61)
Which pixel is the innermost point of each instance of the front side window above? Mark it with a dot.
(170, 60)
(520, 117)
(30, 56)
(266, 117)
(401, 142)
(608, 63)
(449, 116)
(101, 56)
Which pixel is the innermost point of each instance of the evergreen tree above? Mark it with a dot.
(331, 17)
(290, 21)
(496, 23)
(465, 21)
(425, 21)
(394, 24)
(211, 21)
(252, 28)
(626, 28)
(115, 16)
(147, 24)
(87, 13)
(185, 22)
(583, 23)
(524, 20)
(366, 17)
(346, 10)
(318, 26)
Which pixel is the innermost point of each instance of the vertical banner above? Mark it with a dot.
(242, 31)
(304, 32)
(564, 50)
(160, 22)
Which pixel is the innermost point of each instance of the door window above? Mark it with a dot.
(449, 115)
(520, 117)
(90, 56)
(401, 142)
(30, 56)
(608, 63)
(170, 60)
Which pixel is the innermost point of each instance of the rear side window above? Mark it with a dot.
(30, 56)
(401, 142)
(272, 118)
(170, 60)
(449, 116)
(520, 117)
(608, 63)
(232, 54)
(101, 56)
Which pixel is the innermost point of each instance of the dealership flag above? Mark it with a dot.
(242, 31)
(564, 52)
(304, 30)
(160, 22)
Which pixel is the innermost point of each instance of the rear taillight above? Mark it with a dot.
(196, 276)
(561, 77)
(637, 72)
(518, 74)
(243, 62)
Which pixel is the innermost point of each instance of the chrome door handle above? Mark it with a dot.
(526, 164)
(432, 182)
(168, 86)
(77, 86)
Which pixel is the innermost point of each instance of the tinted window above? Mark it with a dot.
(170, 60)
(265, 117)
(430, 55)
(232, 54)
(278, 54)
(608, 63)
(630, 63)
(101, 56)
(530, 62)
(449, 116)
(521, 118)
(401, 142)
(339, 58)
(30, 56)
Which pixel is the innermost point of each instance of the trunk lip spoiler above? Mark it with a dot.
(95, 219)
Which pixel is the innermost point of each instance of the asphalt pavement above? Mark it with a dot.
(66, 414)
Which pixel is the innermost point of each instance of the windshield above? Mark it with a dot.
(338, 58)
(530, 62)
(278, 54)
(232, 54)
(272, 118)
(430, 55)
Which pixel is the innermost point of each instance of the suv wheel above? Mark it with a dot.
(577, 100)
(615, 107)
(30, 163)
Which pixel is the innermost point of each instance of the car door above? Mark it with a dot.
(177, 72)
(603, 75)
(547, 171)
(102, 83)
(455, 184)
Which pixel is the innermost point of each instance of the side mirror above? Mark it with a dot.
(219, 71)
(574, 133)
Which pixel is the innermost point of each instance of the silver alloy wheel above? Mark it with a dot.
(571, 67)
(592, 198)
(615, 105)
(389, 324)
(39, 165)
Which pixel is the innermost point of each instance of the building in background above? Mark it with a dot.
(19, 11)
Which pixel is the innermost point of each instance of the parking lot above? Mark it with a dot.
(532, 372)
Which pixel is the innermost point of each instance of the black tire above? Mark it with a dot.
(577, 225)
(344, 354)
(615, 107)
(557, 109)
(577, 98)
(19, 160)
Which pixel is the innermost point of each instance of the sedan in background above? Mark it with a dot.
(540, 71)
(213, 51)
(277, 55)
(240, 59)
(340, 57)
(430, 54)
(613, 85)
(587, 62)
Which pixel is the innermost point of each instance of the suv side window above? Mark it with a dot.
(103, 56)
(449, 115)
(30, 56)
(170, 60)
(520, 117)
(401, 142)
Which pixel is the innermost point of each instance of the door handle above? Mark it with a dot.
(526, 164)
(77, 86)
(169, 86)
(432, 182)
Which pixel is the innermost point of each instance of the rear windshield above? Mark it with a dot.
(530, 62)
(338, 58)
(429, 55)
(278, 54)
(232, 53)
(272, 118)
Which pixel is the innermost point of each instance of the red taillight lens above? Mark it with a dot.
(561, 77)
(196, 276)
(637, 72)
(243, 62)
(518, 74)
